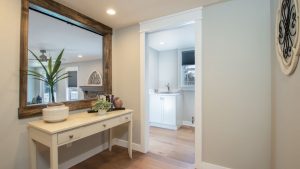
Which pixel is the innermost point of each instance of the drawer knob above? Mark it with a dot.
(71, 136)
(104, 125)
(126, 118)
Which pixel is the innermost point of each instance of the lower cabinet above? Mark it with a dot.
(166, 110)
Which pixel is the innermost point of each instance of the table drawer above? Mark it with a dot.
(100, 126)
(75, 134)
(125, 118)
(69, 136)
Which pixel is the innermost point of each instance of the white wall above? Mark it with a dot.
(188, 105)
(153, 68)
(168, 69)
(285, 111)
(237, 115)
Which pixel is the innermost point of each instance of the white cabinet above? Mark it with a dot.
(166, 110)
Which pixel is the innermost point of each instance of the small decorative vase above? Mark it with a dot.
(102, 111)
(118, 103)
(55, 113)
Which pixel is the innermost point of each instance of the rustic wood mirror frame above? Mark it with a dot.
(52, 8)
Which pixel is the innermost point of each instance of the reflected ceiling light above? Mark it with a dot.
(161, 43)
(110, 11)
(80, 56)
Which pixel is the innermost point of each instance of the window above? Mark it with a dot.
(187, 68)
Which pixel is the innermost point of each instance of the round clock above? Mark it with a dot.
(287, 35)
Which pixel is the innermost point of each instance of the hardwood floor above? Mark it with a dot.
(168, 150)
(178, 145)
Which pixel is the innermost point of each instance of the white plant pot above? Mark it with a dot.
(55, 113)
(102, 112)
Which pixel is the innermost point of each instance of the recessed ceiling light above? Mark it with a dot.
(80, 56)
(110, 11)
(161, 43)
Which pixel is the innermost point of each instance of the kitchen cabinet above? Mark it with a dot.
(166, 110)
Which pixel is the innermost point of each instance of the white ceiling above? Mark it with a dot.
(179, 38)
(54, 35)
(130, 12)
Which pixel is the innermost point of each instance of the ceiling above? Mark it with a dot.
(179, 38)
(53, 35)
(131, 12)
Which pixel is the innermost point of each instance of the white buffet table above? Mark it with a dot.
(77, 126)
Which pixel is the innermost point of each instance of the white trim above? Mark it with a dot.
(82, 157)
(198, 94)
(172, 21)
(212, 166)
(124, 143)
(188, 123)
(143, 111)
(166, 126)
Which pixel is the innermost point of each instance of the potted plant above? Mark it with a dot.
(53, 74)
(101, 105)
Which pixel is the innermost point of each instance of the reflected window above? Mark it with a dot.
(72, 89)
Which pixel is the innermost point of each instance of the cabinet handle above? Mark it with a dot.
(104, 125)
(71, 136)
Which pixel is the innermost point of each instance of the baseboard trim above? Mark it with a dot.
(78, 159)
(188, 123)
(84, 156)
(124, 143)
(212, 166)
(165, 126)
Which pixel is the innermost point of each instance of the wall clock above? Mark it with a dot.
(287, 35)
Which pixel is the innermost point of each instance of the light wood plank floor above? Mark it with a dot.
(168, 150)
(178, 145)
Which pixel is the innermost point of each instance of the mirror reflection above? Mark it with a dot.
(82, 59)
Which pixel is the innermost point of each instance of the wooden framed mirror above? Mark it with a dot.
(48, 27)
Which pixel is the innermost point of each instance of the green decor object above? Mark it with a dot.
(52, 73)
(101, 104)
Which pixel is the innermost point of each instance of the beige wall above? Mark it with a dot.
(237, 115)
(126, 73)
(13, 147)
(14, 144)
(14, 137)
(286, 111)
(236, 131)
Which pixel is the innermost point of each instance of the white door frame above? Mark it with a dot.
(193, 16)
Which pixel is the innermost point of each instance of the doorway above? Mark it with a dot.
(170, 77)
(186, 18)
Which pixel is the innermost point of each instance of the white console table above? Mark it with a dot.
(77, 126)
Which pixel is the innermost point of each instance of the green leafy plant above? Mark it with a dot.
(101, 104)
(53, 73)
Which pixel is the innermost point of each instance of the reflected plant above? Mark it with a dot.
(52, 72)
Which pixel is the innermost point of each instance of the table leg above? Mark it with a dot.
(110, 139)
(130, 139)
(32, 147)
(53, 156)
